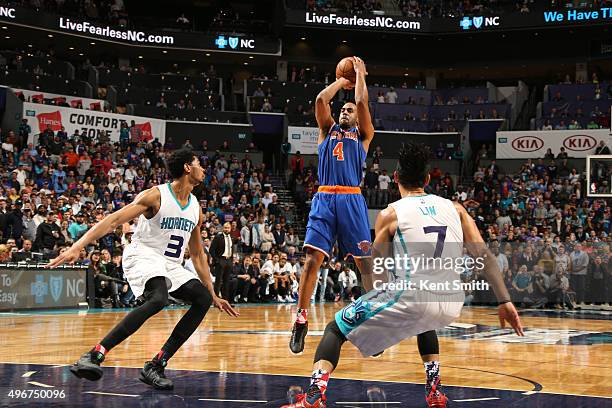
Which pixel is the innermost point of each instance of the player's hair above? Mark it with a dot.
(177, 160)
(413, 164)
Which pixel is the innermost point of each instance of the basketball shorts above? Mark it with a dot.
(341, 217)
(141, 264)
(381, 319)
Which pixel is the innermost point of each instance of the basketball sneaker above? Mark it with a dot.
(313, 398)
(153, 374)
(88, 366)
(298, 335)
(436, 399)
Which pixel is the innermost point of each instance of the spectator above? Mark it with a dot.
(391, 96)
(221, 250)
(267, 106)
(249, 238)
(348, 281)
(48, 236)
(279, 237)
(602, 148)
(383, 188)
(578, 279)
(267, 240)
(598, 273)
(183, 22)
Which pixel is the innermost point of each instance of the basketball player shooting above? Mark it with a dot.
(338, 208)
(383, 317)
(169, 215)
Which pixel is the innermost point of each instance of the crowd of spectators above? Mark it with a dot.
(53, 191)
(551, 241)
(579, 111)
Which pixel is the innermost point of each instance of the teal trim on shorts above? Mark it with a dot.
(176, 199)
(344, 327)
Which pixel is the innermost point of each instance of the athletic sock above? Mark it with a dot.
(161, 358)
(432, 371)
(302, 316)
(320, 379)
(98, 352)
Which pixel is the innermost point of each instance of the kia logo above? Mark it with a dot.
(527, 144)
(580, 143)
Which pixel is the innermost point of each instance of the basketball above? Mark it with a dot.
(345, 69)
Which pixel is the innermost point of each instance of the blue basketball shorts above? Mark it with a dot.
(341, 217)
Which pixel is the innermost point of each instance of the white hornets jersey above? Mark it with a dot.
(430, 237)
(168, 232)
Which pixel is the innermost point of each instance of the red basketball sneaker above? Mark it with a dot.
(436, 399)
(311, 399)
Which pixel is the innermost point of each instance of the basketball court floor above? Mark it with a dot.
(564, 360)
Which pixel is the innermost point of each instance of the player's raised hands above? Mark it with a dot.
(359, 66)
(346, 84)
(69, 256)
(507, 313)
(224, 305)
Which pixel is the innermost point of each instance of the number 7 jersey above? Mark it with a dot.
(430, 235)
(169, 231)
(341, 158)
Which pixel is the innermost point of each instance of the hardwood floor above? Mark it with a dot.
(257, 342)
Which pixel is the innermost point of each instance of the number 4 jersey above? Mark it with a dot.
(341, 158)
(168, 232)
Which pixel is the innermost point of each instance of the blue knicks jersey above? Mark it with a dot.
(341, 158)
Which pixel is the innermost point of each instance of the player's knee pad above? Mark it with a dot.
(428, 343)
(329, 348)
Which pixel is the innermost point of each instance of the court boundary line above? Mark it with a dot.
(339, 378)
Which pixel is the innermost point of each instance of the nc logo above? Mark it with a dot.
(233, 42)
(478, 21)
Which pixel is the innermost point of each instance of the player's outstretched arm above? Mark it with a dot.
(384, 229)
(322, 108)
(477, 248)
(364, 119)
(198, 256)
(143, 202)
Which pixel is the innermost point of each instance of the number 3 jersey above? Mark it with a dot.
(169, 231)
(341, 158)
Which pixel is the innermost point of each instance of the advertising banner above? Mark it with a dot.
(387, 23)
(32, 288)
(234, 43)
(303, 139)
(96, 125)
(534, 144)
(77, 102)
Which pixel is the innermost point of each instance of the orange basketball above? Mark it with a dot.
(345, 69)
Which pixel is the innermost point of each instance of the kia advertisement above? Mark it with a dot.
(534, 144)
